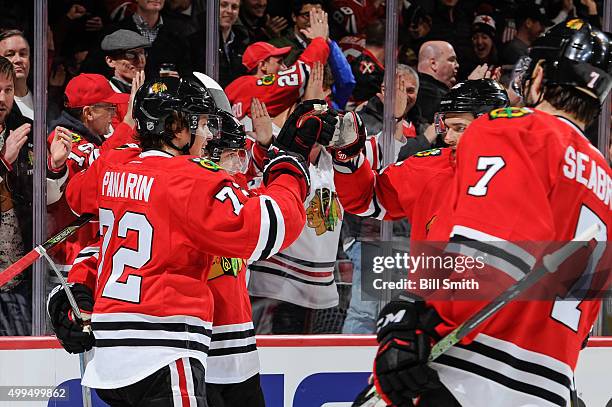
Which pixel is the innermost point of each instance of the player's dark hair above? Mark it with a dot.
(375, 33)
(6, 69)
(296, 5)
(174, 123)
(572, 100)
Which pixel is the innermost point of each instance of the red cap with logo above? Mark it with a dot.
(260, 51)
(89, 89)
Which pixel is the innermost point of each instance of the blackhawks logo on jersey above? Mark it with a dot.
(206, 163)
(267, 80)
(226, 266)
(509, 113)
(429, 153)
(75, 137)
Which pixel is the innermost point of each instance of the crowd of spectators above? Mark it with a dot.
(98, 45)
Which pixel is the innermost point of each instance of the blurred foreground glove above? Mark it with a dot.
(404, 332)
(67, 328)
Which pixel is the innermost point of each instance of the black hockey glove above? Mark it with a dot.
(67, 328)
(348, 142)
(311, 122)
(281, 162)
(404, 332)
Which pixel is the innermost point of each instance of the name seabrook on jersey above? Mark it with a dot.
(597, 180)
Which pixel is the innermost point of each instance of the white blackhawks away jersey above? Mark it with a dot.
(303, 273)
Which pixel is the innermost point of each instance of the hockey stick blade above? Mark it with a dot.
(551, 263)
(26, 261)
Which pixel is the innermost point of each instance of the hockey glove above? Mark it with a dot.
(281, 162)
(350, 139)
(404, 332)
(67, 328)
(311, 122)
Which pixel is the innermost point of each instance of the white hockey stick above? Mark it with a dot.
(551, 263)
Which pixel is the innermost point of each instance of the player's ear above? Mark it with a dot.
(536, 82)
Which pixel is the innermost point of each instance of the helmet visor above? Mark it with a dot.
(439, 124)
(205, 125)
(519, 75)
(234, 160)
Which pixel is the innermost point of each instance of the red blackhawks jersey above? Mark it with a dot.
(153, 303)
(415, 189)
(83, 152)
(523, 176)
(278, 91)
(353, 16)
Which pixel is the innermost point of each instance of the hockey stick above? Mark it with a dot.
(83, 357)
(20, 265)
(550, 264)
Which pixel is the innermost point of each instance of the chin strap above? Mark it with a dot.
(185, 149)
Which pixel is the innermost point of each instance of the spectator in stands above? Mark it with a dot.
(351, 17)
(259, 24)
(297, 37)
(417, 24)
(437, 74)
(14, 46)
(190, 14)
(125, 54)
(277, 90)
(233, 41)
(451, 22)
(368, 68)
(301, 277)
(483, 45)
(168, 42)
(16, 169)
(531, 21)
(410, 129)
(90, 107)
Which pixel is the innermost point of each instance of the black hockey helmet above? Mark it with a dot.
(231, 136)
(477, 96)
(157, 99)
(574, 53)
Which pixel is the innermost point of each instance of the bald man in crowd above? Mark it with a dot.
(437, 68)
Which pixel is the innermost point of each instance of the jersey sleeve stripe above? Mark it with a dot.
(271, 230)
(375, 209)
(505, 265)
(502, 244)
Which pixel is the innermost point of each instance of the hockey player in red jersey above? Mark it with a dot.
(523, 174)
(418, 187)
(270, 80)
(164, 216)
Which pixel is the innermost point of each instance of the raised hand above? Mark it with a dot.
(318, 25)
(314, 88)
(60, 147)
(136, 84)
(275, 25)
(13, 143)
(262, 123)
